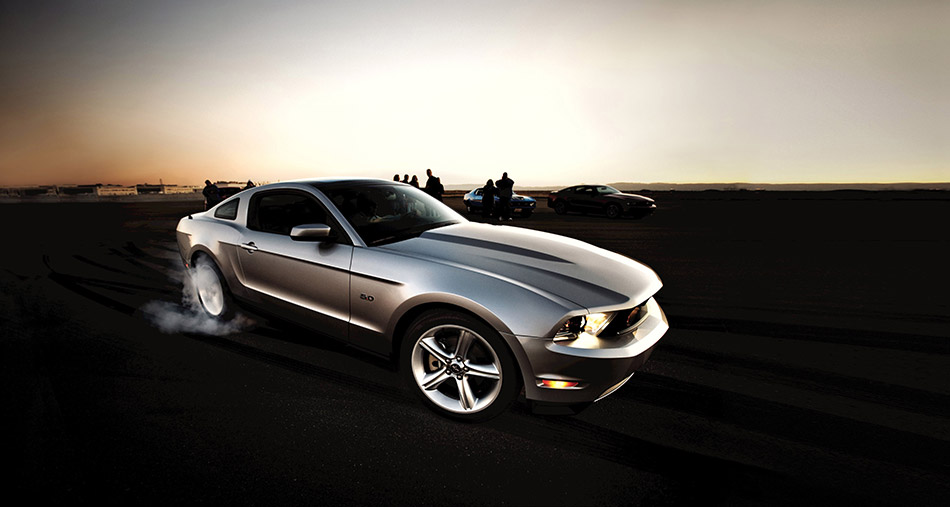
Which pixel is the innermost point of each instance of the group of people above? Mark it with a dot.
(213, 194)
(433, 183)
(504, 189)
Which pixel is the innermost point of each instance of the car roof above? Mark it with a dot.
(586, 185)
(327, 181)
(332, 182)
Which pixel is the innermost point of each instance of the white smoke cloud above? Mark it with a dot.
(189, 317)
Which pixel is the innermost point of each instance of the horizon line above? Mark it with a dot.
(545, 185)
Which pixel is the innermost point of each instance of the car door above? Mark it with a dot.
(599, 200)
(583, 199)
(297, 279)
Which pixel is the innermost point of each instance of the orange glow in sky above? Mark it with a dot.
(554, 92)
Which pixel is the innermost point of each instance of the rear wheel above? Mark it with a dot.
(211, 289)
(560, 207)
(460, 367)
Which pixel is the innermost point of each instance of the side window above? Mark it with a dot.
(279, 213)
(228, 210)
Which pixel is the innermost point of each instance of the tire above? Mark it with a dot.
(211, 290)
(446, 353)
(613, 211)
(560, 207)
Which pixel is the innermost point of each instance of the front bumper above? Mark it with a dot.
(638, 211)
(599, 366)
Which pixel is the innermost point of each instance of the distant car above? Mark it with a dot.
(471, 313)
(600, 199)
(520, 204)
(226, 192)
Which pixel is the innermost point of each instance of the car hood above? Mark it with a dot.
(629, 197)
(555, 266)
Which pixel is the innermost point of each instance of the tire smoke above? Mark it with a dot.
(189, 317)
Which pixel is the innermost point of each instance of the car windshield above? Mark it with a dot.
(385, 213)
(604, 189)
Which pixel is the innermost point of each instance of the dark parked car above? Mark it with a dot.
(600, 199)
(521, 204)
(226, 192)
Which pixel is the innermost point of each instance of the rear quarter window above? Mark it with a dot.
(228, 210)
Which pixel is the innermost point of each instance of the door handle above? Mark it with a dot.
(250, 247)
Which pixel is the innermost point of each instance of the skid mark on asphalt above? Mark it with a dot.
(162, 246)
(879, 339)
(716, 478)
(305, 368)
(906, 398)
(75, 284)
(105, 267)
(147, 266)
(114, 285)
(809, 426)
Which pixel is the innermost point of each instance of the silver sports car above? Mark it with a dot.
(470, 313)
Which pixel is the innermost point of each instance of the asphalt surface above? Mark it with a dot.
(808, 362)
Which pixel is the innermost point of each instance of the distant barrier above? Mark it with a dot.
(59, 198)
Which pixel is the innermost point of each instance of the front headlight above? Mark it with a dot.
(591, 324)
(596, 322)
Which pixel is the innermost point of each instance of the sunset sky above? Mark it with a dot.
(554, 92)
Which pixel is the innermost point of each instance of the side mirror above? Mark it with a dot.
(310, 232)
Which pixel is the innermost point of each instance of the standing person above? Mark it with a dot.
(505, 190)
(396, 177)
(415, 181)
(212, 195)
(250, 184)
(437, 189)
(405, 178)
(488, 199)
(430, 182)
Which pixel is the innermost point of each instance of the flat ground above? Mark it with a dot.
(808, 363)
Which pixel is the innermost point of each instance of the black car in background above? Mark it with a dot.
(600, 199)
(226, 192)
(520, 204)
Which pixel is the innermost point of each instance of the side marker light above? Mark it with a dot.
(557, 384)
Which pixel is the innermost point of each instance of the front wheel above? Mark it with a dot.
(613, 211)
(460, 367)
(560, 207)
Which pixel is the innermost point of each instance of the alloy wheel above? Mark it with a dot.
(456, 369)
(210, 291)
